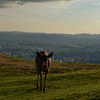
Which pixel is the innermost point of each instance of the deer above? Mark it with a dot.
(43, 63)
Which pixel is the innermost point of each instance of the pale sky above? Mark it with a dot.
(50, 16)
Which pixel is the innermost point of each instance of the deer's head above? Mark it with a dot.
(44, 58)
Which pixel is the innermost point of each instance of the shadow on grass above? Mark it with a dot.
(31, 90)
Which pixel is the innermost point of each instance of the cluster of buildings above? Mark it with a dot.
(27, 51)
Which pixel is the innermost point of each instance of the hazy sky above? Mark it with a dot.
(50, 16)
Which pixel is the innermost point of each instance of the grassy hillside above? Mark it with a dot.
(64, 81)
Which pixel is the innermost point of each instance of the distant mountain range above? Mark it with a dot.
(53, 38)
(78, 48)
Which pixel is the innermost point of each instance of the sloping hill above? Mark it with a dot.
(16, 66)
(65, 81)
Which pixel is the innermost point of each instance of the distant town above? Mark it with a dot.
(16, 45)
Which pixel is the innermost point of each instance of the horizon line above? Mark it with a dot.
(51, 33)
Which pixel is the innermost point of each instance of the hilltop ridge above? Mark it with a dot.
(15, 66)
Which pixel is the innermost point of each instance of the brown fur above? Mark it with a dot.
(43, 63)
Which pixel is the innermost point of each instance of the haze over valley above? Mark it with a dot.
(79, 48)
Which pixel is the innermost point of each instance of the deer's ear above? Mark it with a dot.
(38, 54)
(50, 55)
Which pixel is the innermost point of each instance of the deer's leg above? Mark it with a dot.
(45, 81)
(40, 81)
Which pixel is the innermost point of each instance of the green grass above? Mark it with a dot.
(14, 70)
(67, 83)
(86, 64)
(15, 59)
(76, 85)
